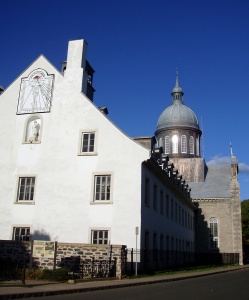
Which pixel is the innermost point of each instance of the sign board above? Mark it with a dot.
(43, 249)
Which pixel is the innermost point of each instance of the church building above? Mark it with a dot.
(63, 179)
(215, 190)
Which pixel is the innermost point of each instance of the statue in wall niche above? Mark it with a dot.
(35, 132)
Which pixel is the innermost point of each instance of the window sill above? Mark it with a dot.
(87, 153)
(100, 202)
(25, 202)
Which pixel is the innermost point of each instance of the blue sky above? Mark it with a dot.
(135, 47)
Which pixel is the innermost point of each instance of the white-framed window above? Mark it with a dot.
(26, 189)
(175, 143)
(21, 234)
(88, 142)
(100, 236)
(160, 143)
(102, 191)
(191, 145)
(167, 145)
(183, 144)
(213, 227)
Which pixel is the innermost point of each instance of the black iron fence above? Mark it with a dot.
(12, 270)
(89, 268)
(152, 260)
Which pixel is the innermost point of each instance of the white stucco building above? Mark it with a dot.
(64, 179)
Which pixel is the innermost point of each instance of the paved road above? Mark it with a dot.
(226, 286)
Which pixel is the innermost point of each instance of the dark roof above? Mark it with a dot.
(216, 184)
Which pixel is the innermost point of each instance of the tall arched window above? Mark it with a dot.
(213, 239)
(175, 143)
(167, 145)
(197, 145)
(191, 145)
(160, 143)
(183, 144)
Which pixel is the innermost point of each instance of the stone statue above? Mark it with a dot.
(35, 132)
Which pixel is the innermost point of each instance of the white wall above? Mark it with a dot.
(63, 192)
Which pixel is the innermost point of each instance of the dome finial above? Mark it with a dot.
(177, 83)
(177, 92)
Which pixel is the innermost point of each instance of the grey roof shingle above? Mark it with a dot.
(216, 184)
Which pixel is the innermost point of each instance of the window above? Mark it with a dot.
(88, 142)
(146, 240)
(213, 225)
(167, 145)
(172, 209)
(191, 145)
(26, 188)
(175, 143)
(147, 192)
(167, 205)
(179, 215)
(197, 147)
(154, 246)
(21, 234)
(155, 197)
(99, 236)
(184, 144)
(161, 203)
(160, 144)
(102, 188)
(161, 247)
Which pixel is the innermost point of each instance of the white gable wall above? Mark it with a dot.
(62, 209)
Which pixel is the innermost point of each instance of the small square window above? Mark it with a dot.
(26, 187)
(21, 234)
(99, 236)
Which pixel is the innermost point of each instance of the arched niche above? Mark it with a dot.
(33, 128)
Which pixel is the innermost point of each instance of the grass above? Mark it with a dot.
(181, 271)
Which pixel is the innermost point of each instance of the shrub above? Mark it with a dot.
(39, 274)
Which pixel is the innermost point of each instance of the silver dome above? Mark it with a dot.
(177, 114)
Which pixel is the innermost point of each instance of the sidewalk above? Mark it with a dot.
(40, 288)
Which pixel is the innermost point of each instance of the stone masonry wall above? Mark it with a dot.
(22, 251)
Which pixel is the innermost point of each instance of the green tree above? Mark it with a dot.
(245, 223)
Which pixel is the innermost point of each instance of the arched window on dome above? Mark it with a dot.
(167, 145)
(183, 144)
(213, 237)
(197, 145)
(160, 143)
(191, 145)
(175, 143)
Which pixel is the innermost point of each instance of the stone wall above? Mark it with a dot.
(64, 253)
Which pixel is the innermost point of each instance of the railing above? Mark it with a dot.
(152, 260)
(90, 268)
(12, 271)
